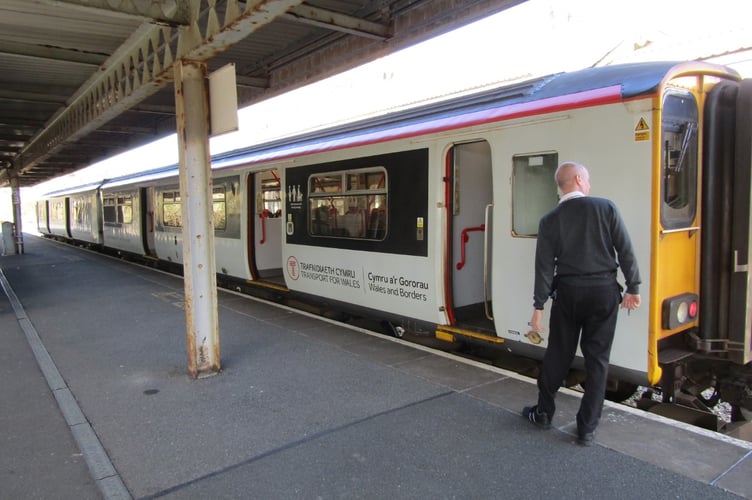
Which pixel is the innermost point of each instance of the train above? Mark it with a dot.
(426, 218)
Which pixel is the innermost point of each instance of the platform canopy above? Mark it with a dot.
(83, 80)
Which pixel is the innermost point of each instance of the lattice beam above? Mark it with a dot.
(143, 65)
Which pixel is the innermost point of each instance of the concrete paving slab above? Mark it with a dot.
(448, 371)
(339, 336)
(38, 455)
(450, 446)
(737, 479)
(384, 351)
(513, 394)
(681, 449)
(305, 409)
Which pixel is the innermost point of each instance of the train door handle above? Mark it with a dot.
(465, 239)
(739, 268)
(263, 216)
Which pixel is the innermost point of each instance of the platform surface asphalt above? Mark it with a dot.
(96, 403)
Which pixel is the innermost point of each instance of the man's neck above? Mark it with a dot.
(570, 195)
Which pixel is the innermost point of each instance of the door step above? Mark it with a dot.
(450, 334)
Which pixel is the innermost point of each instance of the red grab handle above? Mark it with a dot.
(465, 239)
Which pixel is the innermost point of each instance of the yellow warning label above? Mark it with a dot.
(642, 125)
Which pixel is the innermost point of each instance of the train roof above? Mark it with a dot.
(544, 94)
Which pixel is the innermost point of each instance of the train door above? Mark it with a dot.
(265, 226)
(147, 220)
(726, 283)
(43, 221)
(469, 197)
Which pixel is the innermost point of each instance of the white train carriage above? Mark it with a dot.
(58, 221)
(84, 220)
(121, 215)
(165, 221)
(429, 217)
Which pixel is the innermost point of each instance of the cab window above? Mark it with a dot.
(678, 160)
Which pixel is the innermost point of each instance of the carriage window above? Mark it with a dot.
(117, 209)
(171, 215)
(349, 204)
(219, 203)
(534, 191)
(679, 160)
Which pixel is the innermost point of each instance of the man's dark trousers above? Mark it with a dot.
(592, 311)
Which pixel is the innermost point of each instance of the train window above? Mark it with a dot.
(171, 211)
(534, 191)
(679, 160)
(349, 204)
(219, 202)
(117, 209)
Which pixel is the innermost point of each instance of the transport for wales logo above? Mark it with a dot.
(293, 268)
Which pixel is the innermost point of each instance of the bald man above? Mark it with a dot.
(581, 243)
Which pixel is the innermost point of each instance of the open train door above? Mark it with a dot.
(469, 196)
(726, 312)
(265, 226)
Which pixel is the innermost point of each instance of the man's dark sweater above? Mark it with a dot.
(578, 241)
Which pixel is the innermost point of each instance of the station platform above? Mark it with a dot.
(96, 403)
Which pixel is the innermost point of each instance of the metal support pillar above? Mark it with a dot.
(202, 325)
(17, 215)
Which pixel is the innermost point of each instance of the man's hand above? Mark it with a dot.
(535, 321)
(630, 302)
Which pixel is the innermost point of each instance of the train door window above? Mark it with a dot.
(679, 160)
(349, 204)
(58, 211)
(219, 205)
(534, 191)
(109, 207)
(78, 211)
(171, 211)
(125, 209)
(117, 209)
(271, 196)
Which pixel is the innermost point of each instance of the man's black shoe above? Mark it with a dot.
(537, 417)
(585, 439)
